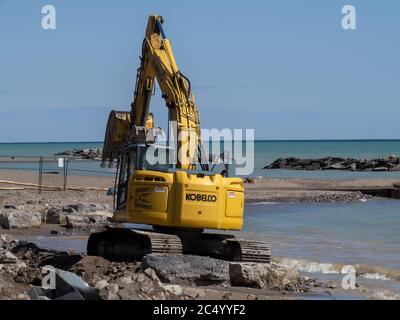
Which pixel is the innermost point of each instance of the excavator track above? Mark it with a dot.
(119, 244)
(163, 243)
(254, 251)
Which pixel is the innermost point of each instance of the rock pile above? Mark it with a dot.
(390, 163)
(121, 281)
(73, 216)
(166, 277)
(92, 154)
(336, 197)
(14, 280)
(19, 219)
(158, 276)
(79, 215)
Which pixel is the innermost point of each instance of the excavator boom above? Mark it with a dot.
(157, 62)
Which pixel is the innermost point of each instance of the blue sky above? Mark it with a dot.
(285, 68)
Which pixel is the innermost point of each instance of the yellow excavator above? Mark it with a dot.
(179, 199)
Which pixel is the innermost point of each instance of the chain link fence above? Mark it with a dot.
(52, 173)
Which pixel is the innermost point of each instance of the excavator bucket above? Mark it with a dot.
(118, 126)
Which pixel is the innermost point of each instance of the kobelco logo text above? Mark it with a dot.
(200, 197)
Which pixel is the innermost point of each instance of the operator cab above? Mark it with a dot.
(152, 158)
(137, 157)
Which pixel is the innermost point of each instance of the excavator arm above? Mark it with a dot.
(158, 63)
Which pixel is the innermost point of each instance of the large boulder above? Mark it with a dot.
(81, 207)
(380, 169)
(336, 166)
(313, 166)
(262, 276)
(188, 270)
(88, 220)
(392, 158)
(19, 219)
(54, 216)
(352, 167)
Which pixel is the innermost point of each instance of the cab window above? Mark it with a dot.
(126, 169)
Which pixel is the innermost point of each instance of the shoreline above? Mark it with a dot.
(315, 190)
(262, 190)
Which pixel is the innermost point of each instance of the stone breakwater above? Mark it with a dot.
(88, 154)
(390, 163)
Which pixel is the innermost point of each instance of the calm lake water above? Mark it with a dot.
(265, 152)
(354, 233)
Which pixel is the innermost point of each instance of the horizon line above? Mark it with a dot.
(256, 140)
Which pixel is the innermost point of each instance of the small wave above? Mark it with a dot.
(309, 266)
(384, 295)
(376, 272)
(364, 271)
(375, 276)
(261, 203)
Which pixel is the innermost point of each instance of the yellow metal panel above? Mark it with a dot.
(145, 198)
(189, 201)
(149, 197)
(234, 204)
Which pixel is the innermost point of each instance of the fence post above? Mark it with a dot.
(66, 160)
(40, 175)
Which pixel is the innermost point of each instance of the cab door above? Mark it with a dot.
(126, 168)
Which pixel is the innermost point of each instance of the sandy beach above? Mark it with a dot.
(263, 189)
